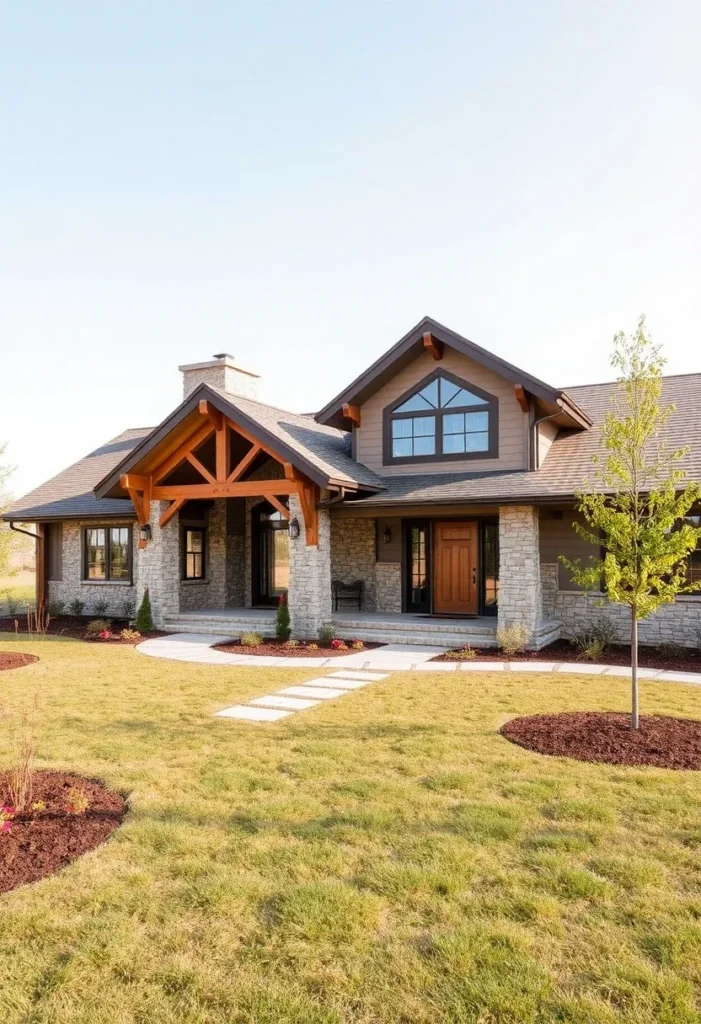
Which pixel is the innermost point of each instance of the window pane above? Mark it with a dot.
(476, 442)
(430, 393)
(401, 428)
(119, 553)
(463, 397)
(424, 426)
(454, 423)
(401, 448)
(453, 443)
(477, 421)
(194, 540)
(424, 446)
(95, 552)
(414, 404)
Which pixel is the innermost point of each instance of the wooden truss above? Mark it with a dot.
(224, 483)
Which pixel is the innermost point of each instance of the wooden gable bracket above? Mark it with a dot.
(309, 495)
(433, 345)
(522, 397)
(352, 412)
(139, 490)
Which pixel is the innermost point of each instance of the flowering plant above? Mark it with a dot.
(357, 645)
(78, 801)
(338, 645)
(106, 634)
(7, 813)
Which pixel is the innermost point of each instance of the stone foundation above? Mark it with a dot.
(388, 586)
(310, 576)
(520, 597)
(159, 566)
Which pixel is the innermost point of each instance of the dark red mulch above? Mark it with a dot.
(686, 660)
(11, 659)
(606, 736)
(44, 841)
(73, 626)
(277, 649)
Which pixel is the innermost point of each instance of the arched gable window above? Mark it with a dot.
(443, 418)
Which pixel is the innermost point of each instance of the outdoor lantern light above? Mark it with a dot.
(145, 533)
(294, 529)
(388, 535)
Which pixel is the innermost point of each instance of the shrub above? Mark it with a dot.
(312, 647)
(339, 645)
(326, 635)
(144, 617)
(11, 602)
(292, 643)
(22, 729)
(100, 608)
(128, 607)
(95, 627)
(593, 649)
(357, 645)
(130, 634)
(250, 639)
(513, 638)
(56, 608)
(601, 631)
(465, 653)
(76, 607)
(78, 801)
(282, 624)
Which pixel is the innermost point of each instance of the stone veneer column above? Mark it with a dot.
(159, 566)
(520, 593)
(309, 593)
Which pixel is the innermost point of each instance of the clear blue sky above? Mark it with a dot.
(298, 183)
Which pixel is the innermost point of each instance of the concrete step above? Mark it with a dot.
(220, 627)
(413, 626)
(380, 636)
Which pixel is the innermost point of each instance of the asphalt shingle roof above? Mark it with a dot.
(69, 495)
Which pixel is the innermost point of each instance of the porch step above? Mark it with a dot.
(412, 625)
(393, 636)
(220, 626)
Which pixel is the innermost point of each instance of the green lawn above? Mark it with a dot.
(17, 593)
(386, 858)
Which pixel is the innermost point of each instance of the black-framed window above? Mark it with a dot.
(443, 418)
(107, 554)
(194, 553)
(693, 559)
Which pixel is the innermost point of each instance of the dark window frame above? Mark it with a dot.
(194, 528)
(108, 527)
(490, 406)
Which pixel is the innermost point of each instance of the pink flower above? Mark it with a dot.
(7, 811)
(336, 644)
(5, 827)
(105, 635)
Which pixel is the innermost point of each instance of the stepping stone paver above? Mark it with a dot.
(337, 681)
(368, 677)
(292, 703)
(253, 714)
(315, 692)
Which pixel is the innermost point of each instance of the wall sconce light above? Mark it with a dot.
(145, 533)
(387, 535)
(294, 529)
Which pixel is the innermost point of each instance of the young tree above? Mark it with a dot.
(637, 507)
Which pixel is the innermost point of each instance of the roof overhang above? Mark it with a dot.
(413, 344)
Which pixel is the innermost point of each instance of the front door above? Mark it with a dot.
(271, 555)
(455, 587)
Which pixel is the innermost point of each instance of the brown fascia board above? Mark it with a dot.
(111, 481)
(410, 346)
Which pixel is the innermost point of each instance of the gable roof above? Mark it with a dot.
(321, 453)
(69, 494)
(567, 468)
(411, 345)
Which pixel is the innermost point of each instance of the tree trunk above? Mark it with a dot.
(634, 668)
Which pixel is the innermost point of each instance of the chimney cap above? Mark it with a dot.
(222, 355)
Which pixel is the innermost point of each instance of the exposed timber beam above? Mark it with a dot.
(254, 440)
(215, 417)
(178, 456)
(202, 470)
(522, 397)
(170, 512)
(245, 462)
(309, 495)
(276, 503)
(238, 489)
(433, 345)
(352, 412)
(223, 446)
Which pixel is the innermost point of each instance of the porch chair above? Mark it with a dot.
(349, 592)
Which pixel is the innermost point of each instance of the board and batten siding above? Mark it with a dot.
(513, 422)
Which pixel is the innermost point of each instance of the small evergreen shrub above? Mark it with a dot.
(326, 635)
(144, 616)
(513, 639)
(95, 627)
(602, 632)
(128, 607)
(282, 624)
(100, 608)
(56, 608)
(250, 639)
(76, 607)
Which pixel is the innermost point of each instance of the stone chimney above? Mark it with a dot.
(221, 372)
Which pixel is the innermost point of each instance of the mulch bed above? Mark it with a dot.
(682, 660)
(10, 659)
(606, 736)
(277, 649)
(44, 841)
(73, 626)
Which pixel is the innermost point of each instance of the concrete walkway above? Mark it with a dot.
(195, 647)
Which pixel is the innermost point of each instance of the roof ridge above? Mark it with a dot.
(278, 408)
(609, 383)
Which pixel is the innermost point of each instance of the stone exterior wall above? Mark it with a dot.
(159, 566)
(212, 591)
(353, 556)
(310, 576)
(388, 586)
(120, 597)
(679, 622)
(520, 596)
(270, 470)
(220, 374)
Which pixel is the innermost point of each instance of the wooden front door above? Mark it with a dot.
(455, 588)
